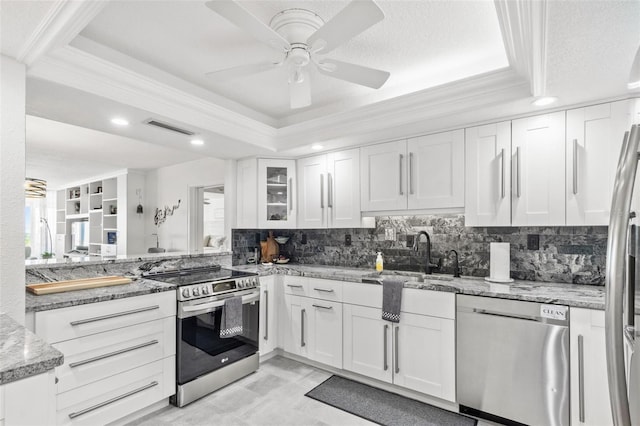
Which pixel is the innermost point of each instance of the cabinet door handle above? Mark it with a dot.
(401, 157)
(290, 192)
(581, 378)
(330, 190)
(321, 191)
(112, 400)
(118, 314)
(266, 315)
(294, 285)
(575, 167)
(410, 173)
(322, 307)
(326, 290)
(396, 351)
(385, 331)
(302, 343)
(502, 174)
(110, 354)
(518, 172)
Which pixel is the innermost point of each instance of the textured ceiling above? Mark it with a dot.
(422, 44)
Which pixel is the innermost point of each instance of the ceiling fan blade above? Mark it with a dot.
(349, 22)
(242, 18)
(353, 73)
(242, 71)
(300, 91)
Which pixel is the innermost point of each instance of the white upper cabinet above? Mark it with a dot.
(276, 189)
(593, 143)
(312, 190)
(436, 171)
(383, 177)
(329, 190)
(538, 176)
(426, 172)
(488, 175)
(247, 191)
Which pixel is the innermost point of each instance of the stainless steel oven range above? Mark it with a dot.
(206, 362)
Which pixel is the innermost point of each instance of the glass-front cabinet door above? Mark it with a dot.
(276, 189)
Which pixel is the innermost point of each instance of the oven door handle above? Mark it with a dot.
(254, 297)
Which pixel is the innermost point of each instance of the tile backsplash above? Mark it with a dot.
(557, 254)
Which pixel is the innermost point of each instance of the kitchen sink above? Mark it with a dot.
(419, 277)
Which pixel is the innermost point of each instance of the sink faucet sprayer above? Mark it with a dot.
(428, 264)
(456, 265)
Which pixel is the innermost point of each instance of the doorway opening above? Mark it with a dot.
(206, 220)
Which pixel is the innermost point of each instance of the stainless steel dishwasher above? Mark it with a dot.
(513, 360)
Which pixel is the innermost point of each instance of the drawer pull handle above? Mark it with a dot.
(322, 307)
(114, 353)
(119, 314)
(112, 400)
(294, 285)
(385, 365)
(326, 290)
(266, 315)
(581, 378)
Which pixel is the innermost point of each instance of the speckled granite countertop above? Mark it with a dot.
(23, 353)
(138, 287)
(583, 296)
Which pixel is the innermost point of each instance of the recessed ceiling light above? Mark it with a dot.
(544, 100)
(316, 146)
(197, 142)
(118, 121)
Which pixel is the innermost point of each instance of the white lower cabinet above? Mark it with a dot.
(29, 401)
(418, 353)
(119, 356)
(589, 385)
(268, 315)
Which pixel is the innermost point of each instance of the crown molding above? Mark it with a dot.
(408, 115)
(523, 25)
(76, 68)
(64, 21)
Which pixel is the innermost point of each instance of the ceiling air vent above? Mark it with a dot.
(152, 122)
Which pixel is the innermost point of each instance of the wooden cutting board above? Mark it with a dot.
(80, 284)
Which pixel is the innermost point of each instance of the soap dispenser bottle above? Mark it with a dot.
(379, 262)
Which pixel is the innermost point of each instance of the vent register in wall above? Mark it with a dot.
(167, 126)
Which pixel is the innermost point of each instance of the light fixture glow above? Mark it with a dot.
(119, 121)
(544, 100)
(197, 142)
(316, 146)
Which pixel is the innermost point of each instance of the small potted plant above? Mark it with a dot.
(47, 255)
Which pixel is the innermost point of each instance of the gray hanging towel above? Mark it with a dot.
(231, 321)
(391, 299)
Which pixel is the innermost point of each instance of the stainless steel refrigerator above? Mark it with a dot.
(623, 270)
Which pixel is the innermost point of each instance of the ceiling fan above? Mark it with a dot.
(301, 35)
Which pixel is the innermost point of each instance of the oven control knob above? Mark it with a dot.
(185, 293)
(196, 291)
(205, 290)
(254, 281)
(240, 284)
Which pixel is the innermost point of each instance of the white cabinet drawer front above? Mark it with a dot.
(295, 285)
(426, 302)
(69, 323)
(324, 289)
(1, 403)
(362, 294)
(95, 357)
(115, 397)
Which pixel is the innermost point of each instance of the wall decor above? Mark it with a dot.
(161, 214)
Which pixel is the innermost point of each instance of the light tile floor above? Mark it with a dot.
(274, 395)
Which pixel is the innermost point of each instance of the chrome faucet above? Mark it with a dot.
(428, 264)
(456, 265)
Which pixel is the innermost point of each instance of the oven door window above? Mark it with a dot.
(201, 350)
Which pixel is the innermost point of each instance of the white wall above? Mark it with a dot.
(167, 185)
(12, 169)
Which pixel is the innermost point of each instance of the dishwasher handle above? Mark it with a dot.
(524, 317)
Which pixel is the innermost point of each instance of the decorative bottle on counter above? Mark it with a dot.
(379, 262)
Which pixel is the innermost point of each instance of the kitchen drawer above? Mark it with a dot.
(117, 396)
(362, 294)
(426, 302)
(324, 289)
(296, 286)
(1, 404)
(58, 325)
(94, 357)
